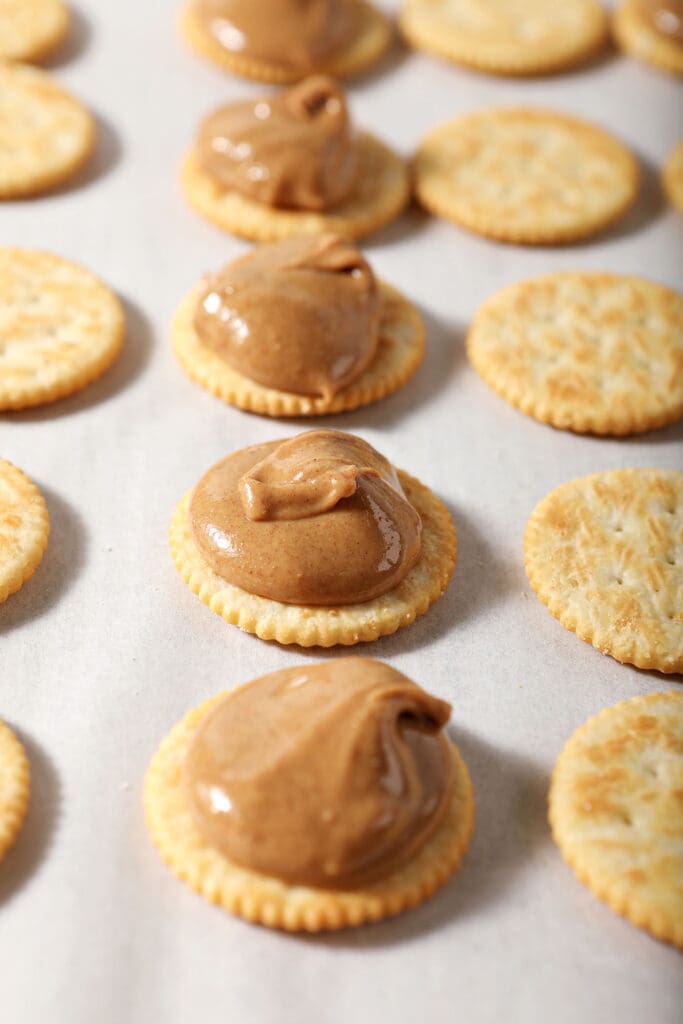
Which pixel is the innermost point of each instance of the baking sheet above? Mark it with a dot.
(105, 649)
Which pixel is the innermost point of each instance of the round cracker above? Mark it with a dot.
(371, 39)
(24, 528)
(616, 812)
(673, 176)
(274, 903)
(634, 34)
(400, 352)
(594, 353)
(15, 783)
(605, 554)
(534, 177)
(310, 626)
(45, 135)
(31, 29)
(382, 191)
(517, 37)
(60, 327)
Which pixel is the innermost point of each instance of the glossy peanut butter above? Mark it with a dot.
(320, 519)
(300, 315)
(296, 35)
(294, 149)
(665, 17)
(329, 775)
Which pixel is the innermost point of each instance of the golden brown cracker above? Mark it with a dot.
(594, 353)
(605, 554)
(400, 352)
(673, 176)
(382, 191)
(274, 903)
(517, 37)
(616, 810)
(637, 36)
(31, 29)
(310, 626)
(372, 37)
(15, 780)
(24, 528)
(60, 327)
(45, 135)
(533, 177)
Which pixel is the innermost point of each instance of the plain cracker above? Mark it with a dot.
(320, 626)
(368, 44)
(31, 29)
(605, 554)
(594, 353)
(529, 176)
(382, 191)
(269, 901)
(400, 351)
(15, 784)
(45, 135)
(24, 528)
(516, 37)
(616, 810)
(636, 36)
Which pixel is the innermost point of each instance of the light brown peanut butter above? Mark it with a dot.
(665, 17)
(296, 35)
(300, 315)
(294, 149)
(330, 775)
(320, 519)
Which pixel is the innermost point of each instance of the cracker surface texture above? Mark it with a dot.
(367, 46)
(60, 327)
(636, 36)
(274, 903)
(31, 29)
(594, 353)
(616, 810)
(24, 528)
(382, 191)
(534, 177)
(311, 626)
(15, 785)
(45, 135)
(673, 176)
(400, 352)
(507, 37)
(605, 554)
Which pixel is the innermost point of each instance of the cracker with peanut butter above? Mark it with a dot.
(61, 328)
(15, 783)
(381, 193)
(651, 31)
(45, 135)
(518, 37)
(371, 37)
(400, 351)
(593, 353)
(533, 177)
(31, 29)
(616, 813)
(604, 553)
(24, 528)
(673, 176)
(272, 901)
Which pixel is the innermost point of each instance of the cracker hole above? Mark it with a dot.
(618, 529)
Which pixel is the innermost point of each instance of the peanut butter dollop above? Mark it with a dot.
(294, 149)
(329, 775)
(320, 519)
(300, 315)
(297, 35)
(665, 17)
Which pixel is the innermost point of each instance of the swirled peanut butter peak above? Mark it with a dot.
(300, 316)
(294, 149)
(320, 519)
(665, 17)
(330, 775)
(298, 35)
